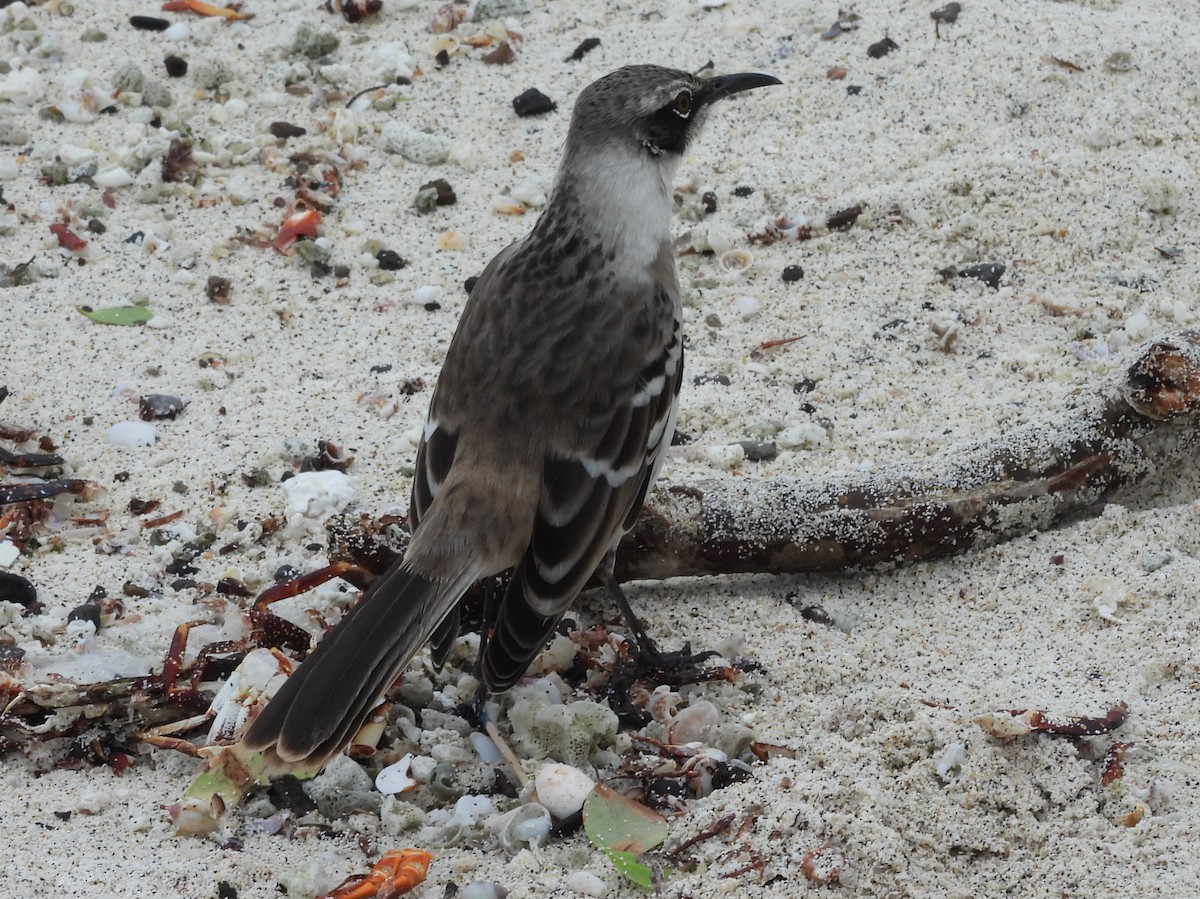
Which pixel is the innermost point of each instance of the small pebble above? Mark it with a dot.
(284, 130)
(947, 13)
(793, 273)
(425, 295)
(743, 191)
(86, 612)
(533, 102)
(586, 46)
(389, 260)
(117, 177)
(485, 748)
(159, 405)
(176, 66)
(16, 589)
(757, 451)
(836, 73)
(882, 48)
(987, 272)
(149, 23)
(586, 883)
(502, 55)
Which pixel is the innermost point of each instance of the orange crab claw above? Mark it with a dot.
(397, 872)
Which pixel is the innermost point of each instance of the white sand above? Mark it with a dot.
(973, 148)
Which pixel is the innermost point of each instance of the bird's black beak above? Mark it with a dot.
(725, 85)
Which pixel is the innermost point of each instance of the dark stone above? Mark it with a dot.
(149, 23)
(389, 260)
(533, 102)
(284, 130)
(882, 48)
(987, 272)
(586, 46)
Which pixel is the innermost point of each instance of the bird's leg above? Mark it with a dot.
(489, 603)
(649, 657)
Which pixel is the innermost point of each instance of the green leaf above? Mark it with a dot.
(623, 830)
(118, 315)
(627, 865)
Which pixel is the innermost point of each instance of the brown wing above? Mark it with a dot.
(587, 504)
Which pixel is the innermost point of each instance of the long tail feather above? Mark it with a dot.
(328, 697)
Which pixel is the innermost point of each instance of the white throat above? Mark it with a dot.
(627, 200)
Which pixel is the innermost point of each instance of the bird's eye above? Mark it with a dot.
(682, 103)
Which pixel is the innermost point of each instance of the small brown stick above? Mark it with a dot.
(718, 827)
(757, 864)
(1018, 722)
(506, 752)
(747, 824)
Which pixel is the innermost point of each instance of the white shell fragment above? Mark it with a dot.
(395, 778)
(117, 177)
(586, 883)
(562, 789)
(747, 306)
(128, 434)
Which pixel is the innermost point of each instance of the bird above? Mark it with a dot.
(550, 420)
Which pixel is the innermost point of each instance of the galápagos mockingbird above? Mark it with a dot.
(551, 417)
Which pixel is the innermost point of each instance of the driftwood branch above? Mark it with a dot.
(994, 490)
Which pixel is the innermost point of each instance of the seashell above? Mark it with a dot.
(693, 724)
(444, 782)
(525, 826)
(736, 261)
(663, 704)
(562, 789)
(448, 17)
(396, 778)
(450, 835)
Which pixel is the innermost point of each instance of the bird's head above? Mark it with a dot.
(650, 110)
